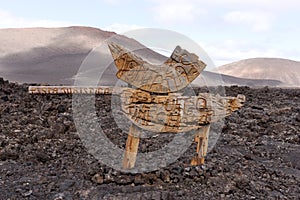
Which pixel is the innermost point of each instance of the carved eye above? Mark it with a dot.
(132, 65)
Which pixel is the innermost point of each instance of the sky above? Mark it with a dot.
(228, 30)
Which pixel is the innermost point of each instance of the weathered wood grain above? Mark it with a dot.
(201, 138)
(73, 90)
(173, 75)
(131, 149)
(171, 112)
(175, 112)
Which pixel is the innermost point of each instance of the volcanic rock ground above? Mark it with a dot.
(42, 157)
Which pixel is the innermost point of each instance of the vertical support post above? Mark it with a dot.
(131, 149)
(201, 138)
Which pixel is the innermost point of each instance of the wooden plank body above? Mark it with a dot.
(171, 112)
(175, 112)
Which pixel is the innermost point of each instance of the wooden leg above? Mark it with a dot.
(131, 149)
(201, 138)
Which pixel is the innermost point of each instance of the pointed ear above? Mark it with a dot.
(124, 59)
(115, 50)
(185, 63)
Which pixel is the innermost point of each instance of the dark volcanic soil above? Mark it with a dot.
(42, 157)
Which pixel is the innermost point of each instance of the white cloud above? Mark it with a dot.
(176, 11)
(121, 28)
(7, 20)
(112, 2)
(116, 2)
(253, 4)
(257, 21)
(171, 11)
(230, 51)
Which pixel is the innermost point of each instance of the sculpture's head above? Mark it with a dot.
(187, 64)
(176, 73)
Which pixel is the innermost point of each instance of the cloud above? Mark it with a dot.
(257, 21)
(121, 28)
(116, 2)
(172, 11)
(253, 4)
(7, 20)
(112, 2)
(176, 11)
(230, 51)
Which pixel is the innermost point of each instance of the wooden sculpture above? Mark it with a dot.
(171, 76)
(154, 104)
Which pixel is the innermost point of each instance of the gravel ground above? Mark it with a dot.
(42, 157)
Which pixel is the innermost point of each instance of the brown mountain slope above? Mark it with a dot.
(46, 54)
(54, 55)
(286, 71)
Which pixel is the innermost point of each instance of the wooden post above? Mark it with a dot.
(131, 149)
(201, 138)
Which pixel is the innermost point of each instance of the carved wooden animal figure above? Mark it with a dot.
(154, 105)
(174, 74)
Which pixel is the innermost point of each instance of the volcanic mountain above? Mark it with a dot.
(54, 56)
(286, 71)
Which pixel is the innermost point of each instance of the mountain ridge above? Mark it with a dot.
(284, 70)
(54, 55)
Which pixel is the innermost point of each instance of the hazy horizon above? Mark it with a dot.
(227, 30)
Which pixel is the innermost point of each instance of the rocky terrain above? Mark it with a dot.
(42, 157)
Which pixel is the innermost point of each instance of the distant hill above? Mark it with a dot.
(45, 55)
(54, 55)
(213, 79)
(286, 71)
